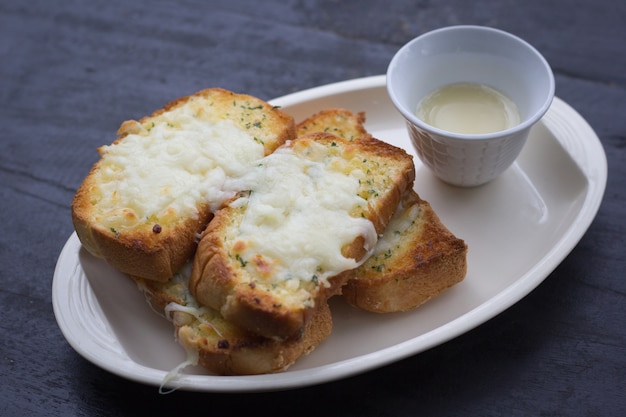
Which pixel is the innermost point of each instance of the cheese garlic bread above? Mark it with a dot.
(216, 344)
(314, 209)
(295, 215)
(155, 188)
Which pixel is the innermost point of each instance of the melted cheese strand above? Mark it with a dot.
(174, 374)
(194, 310)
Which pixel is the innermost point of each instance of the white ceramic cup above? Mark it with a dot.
(469, 54)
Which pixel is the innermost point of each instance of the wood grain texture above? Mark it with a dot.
(71, 71)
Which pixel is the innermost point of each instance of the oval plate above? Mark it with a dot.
(518, 229)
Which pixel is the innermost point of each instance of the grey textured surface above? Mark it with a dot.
(72, 71)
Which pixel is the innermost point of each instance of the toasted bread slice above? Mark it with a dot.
(219, 346)
(271, 258)
(415, 260)
(339, 122)
(155, 188)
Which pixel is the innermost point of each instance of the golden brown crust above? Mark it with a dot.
(218, 281)
(221, 347)
(141, 253)
(153, 250)
(249, 354)
(427, 260)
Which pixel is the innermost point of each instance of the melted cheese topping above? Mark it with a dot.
(298, 217)
(398, 226)
(171, 164)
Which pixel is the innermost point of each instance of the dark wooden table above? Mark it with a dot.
(71, 71)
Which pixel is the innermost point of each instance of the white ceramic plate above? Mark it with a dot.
(518, 229)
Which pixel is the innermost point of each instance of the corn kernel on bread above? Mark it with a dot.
(218, 345)
(268, 260)
(415, 260)
(338, 121)
(155, 188)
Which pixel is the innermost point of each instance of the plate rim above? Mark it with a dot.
(595, 175)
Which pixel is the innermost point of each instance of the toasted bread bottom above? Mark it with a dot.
(221, 347)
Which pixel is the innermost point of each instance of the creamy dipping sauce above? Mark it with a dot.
(468, 108)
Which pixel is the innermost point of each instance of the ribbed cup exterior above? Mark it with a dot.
(466, 162)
